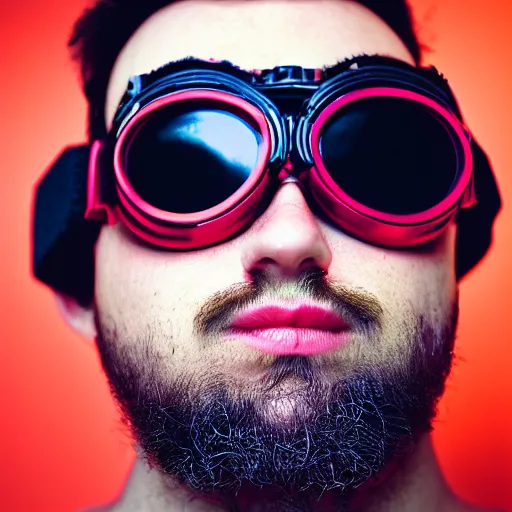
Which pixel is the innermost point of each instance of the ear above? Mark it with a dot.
(79, 318)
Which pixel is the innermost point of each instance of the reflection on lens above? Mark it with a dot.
(390, 154)
(190, 160)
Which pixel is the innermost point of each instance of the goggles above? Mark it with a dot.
(196, 155)
(198, 149)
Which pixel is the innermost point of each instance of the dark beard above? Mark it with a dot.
(343, 435)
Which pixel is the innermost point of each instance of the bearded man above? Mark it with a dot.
(265, 235)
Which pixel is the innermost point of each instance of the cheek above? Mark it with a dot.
(422, 281)
(140, 286)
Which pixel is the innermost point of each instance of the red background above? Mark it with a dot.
(61, 441)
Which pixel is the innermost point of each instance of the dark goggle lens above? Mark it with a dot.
(188, 159)
(390, 154)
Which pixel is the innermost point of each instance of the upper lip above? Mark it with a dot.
(301, 316)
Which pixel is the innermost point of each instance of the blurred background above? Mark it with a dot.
(62, 445)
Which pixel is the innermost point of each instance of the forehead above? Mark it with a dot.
(253, 34)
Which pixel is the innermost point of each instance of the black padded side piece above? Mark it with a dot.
(475, 224)
(63, 241)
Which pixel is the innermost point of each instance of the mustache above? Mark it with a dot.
(359, 308)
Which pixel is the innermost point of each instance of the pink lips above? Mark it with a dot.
(301, 330)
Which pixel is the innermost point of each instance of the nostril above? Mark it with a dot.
(265, 262)
(309, 263)
(291, 264)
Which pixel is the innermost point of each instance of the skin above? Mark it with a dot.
(136, 286)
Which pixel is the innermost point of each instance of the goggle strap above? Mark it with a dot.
(97, 207)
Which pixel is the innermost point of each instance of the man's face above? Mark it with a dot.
(162, 316)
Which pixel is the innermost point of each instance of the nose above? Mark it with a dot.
(287, 238)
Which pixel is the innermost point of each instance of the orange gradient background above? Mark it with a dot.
(62, 444)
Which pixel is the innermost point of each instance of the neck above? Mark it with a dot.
(417, 484)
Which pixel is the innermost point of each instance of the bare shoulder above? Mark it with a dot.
(465, 507)
(111, 507)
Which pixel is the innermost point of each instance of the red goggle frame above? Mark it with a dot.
(235, 214)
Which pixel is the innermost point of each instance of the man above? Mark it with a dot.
(265, 237)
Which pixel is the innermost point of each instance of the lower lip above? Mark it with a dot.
(291, 341)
